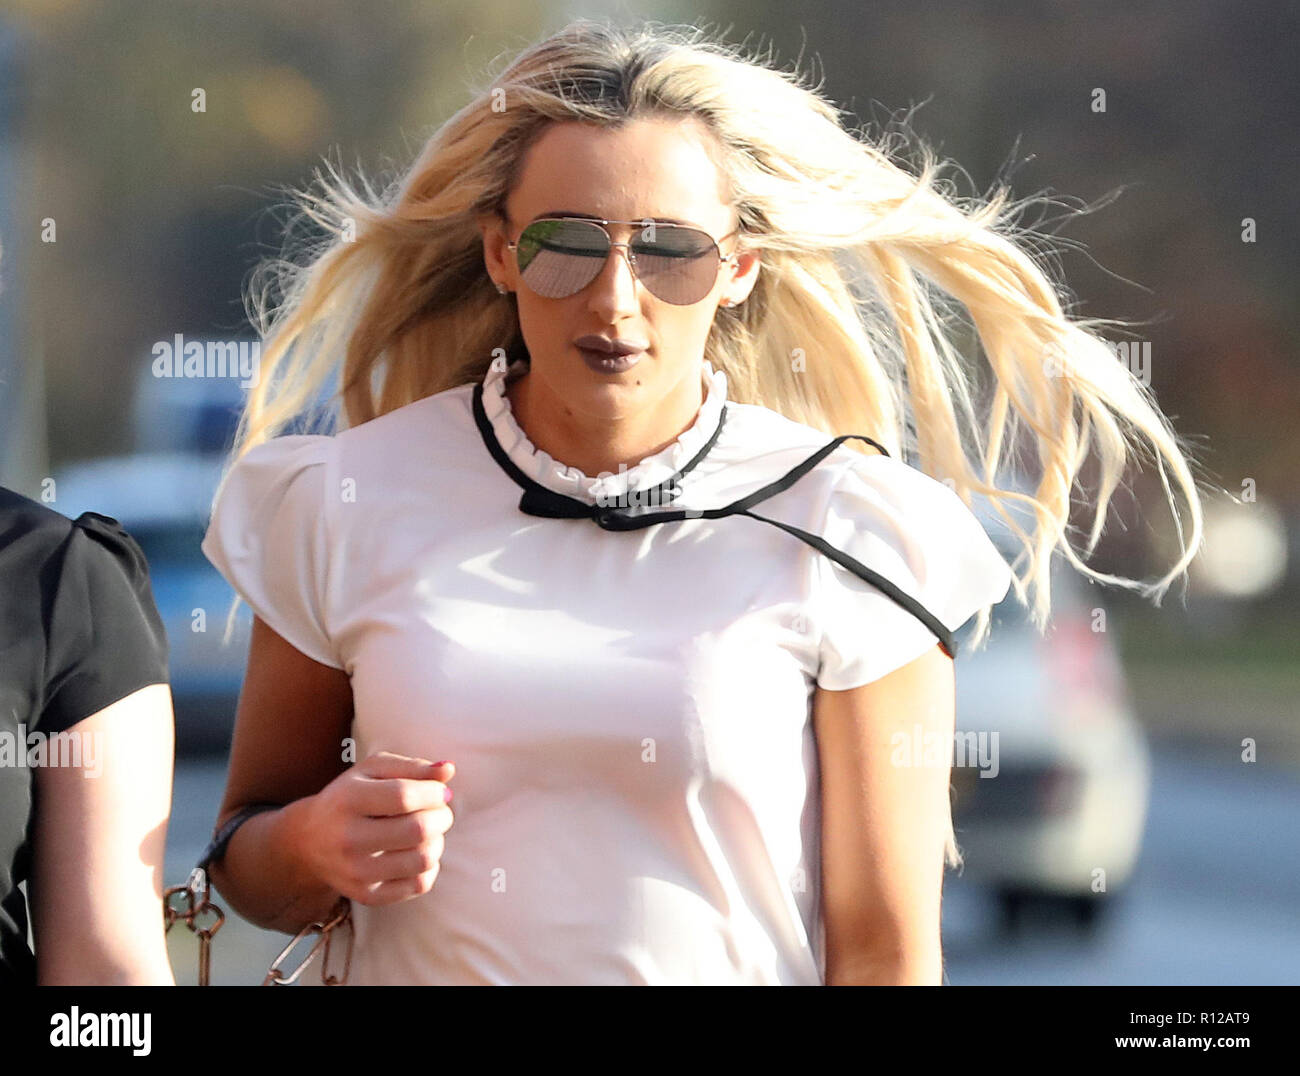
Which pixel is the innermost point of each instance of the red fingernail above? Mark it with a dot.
(442, 762)
(447, 794)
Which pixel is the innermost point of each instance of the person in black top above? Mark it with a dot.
(86, 745)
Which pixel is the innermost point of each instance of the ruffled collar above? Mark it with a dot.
(549, 472)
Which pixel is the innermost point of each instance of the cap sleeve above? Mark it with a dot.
(105, 638)
(269, 536)
(918, 534)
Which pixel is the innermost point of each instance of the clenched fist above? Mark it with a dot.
(377, 830)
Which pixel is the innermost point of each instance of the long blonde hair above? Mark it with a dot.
(866, 267)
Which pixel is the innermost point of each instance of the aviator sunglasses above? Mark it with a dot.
(559, 256)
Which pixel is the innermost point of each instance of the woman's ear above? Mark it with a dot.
(748, 265)
(495, 254)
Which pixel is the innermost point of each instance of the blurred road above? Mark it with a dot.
(1216, 898)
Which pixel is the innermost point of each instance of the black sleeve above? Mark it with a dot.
(105, 638)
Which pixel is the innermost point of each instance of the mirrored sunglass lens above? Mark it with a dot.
(560, 257)
(678, 264)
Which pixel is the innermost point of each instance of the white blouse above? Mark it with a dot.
(629, 711)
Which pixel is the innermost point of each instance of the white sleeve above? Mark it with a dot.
(269, 536)
(917, 533)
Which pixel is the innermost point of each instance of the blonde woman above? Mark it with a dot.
(617, 534)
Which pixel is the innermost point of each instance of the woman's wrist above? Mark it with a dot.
(293, 838)
(284, 892)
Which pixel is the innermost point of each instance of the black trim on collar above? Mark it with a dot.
(538, 500)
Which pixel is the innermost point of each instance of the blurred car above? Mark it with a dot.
(189, 414)
(1063, 808)
(163, 500)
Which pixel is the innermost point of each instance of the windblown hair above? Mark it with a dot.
(866, 269)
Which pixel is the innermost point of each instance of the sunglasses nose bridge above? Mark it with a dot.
(628, 255)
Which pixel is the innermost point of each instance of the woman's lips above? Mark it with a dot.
(604, 362)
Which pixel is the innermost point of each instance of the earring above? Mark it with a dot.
(501, 287)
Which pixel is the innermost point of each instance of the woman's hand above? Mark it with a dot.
(375, 832)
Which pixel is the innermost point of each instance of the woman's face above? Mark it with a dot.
(648, 169)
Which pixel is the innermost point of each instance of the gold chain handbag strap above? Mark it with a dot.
(193, 904)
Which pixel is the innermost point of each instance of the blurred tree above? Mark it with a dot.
(157, 204)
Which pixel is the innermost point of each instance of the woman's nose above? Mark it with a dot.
(615, 287)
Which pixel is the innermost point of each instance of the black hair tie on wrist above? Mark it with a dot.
(217, 846)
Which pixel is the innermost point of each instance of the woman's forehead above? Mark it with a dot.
(644, 170)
